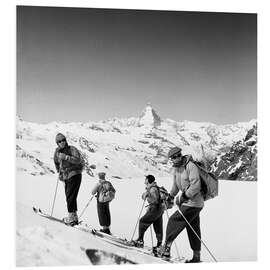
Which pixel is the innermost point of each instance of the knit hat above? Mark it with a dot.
(173, 151)
(59, 137)
(150, 178)
(101, 175)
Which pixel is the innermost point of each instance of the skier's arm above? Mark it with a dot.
(144, 195)
(56, 162)
(174, 189)
(194, 178)
(95, 189)
(75, 156)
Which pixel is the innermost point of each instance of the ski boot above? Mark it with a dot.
(193, 260)
(196, 257)
(156, 249)
(71, 219)
(137, 243)
(165, 252)
(105, 230)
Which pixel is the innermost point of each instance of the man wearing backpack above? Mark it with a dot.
(67, 160)
(105, 193)
(186, 179)
(153, 215)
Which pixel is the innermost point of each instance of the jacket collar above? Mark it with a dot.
(63, 149)
(101, 181)
(154, 184)
(184, 161)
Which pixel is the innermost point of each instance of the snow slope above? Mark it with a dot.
(228, 223)
(126, 149)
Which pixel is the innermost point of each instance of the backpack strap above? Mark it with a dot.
(158, 189)
(159, 197)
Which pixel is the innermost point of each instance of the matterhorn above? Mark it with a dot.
(149, 117)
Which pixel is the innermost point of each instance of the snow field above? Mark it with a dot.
(228, 222)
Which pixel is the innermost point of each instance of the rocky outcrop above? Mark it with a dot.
(240, 161)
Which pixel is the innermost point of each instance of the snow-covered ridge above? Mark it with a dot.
(127, 147)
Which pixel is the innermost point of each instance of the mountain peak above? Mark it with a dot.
(149, 117)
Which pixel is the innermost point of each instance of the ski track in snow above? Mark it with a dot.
(226, 223)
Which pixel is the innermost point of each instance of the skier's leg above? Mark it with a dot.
(194, 241)
(175, 226)
(176, 222)
(107, 215)
(145, 222)
(72, 187)
(101, 209)
(106, 218)
(158, 228)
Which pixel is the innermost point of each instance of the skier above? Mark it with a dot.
(68, 164)
(153, 215)
(186, 178)
(105, 193)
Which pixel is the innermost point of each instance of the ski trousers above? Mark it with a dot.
(72, 186)
(104, 215)
(152, 216)
(176, 224)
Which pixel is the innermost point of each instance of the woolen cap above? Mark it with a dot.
(150, 178)
(101, 175)
(60, 137)
(173, 151)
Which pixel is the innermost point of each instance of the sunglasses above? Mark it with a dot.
(64, 140)
(176, 156)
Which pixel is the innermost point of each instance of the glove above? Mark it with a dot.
(63, 156)
(181, 199)
(60, 176)
(169, 201)
(144, 195)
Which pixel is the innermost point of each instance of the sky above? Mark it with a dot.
(81, 64)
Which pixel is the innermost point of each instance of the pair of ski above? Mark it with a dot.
(124, 243)
(114, 240)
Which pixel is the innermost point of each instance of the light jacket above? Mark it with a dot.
(70, 167)
(186, 178)
(97, 186)
(101, 190)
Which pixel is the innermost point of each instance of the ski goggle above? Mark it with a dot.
(175, 156)
(63, 140)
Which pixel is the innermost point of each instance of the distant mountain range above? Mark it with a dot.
(132, 147)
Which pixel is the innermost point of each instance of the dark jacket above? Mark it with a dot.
(70, 167)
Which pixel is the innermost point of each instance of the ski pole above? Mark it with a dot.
(138, 220)
(86, 207)
(177, 251)
(55, 195)
(151, 236)
(197, 235)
